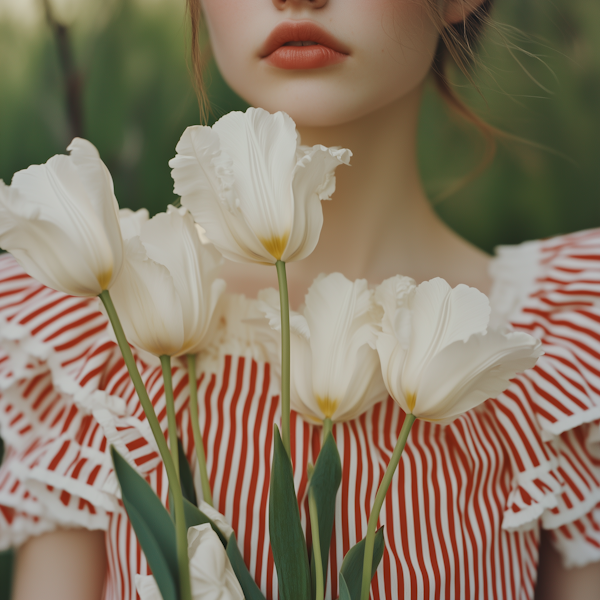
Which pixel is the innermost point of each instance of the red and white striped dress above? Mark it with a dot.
(463, 515)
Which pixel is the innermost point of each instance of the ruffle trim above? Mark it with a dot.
(17, 527)
(579, 542)
(551, 289)
(60, 374)
(34, 501)
(42, 330)
(241, 330)
(534, 492)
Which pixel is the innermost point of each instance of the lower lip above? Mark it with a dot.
(304, 57)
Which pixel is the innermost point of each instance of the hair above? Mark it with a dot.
(456, 45)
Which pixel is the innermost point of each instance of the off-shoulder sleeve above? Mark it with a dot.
(549, 417)
(55, 352)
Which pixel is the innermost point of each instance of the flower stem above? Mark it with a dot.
(165, 363)
(138, 384)
(316, 544)
(379, 498)
(327, 427)
(198, 443)
(285, 355)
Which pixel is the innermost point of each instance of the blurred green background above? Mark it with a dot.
(137, 99)
(129, 59)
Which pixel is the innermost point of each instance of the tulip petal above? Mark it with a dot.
(145, 295)
(52, 231)
(147, 588)
(217, 518)
(392, 356)
(441, 315)
(302, 397)
(262, 148)
(171, 239)
(269, 304)
(366, 386)
(340, 314)
(98, 184)
(131, 222)
(203, 176)
(313, 181)
(465, 374)
(211, 573)
(394, 296)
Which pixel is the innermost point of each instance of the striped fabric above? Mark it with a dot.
(463, 515)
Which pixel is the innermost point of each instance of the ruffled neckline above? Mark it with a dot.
(514, 271)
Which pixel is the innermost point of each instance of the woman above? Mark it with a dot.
(473, 500)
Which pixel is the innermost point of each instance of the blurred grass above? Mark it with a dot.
(138, 99)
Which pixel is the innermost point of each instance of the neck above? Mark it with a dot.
(379, 222)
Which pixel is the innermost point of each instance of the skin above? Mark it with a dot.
(379, 223)
(391, 44)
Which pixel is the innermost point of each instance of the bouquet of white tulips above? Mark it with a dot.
(257, 193)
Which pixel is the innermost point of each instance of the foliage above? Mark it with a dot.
(137, 100)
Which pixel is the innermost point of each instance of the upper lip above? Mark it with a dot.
(300, 31)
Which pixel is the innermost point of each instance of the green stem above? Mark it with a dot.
(327, 427)
(379, 498)
(138, 384)
(165, 363)
(198, 443)
(316, 544)
(285, 355)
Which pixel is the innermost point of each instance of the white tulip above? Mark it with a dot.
(217, 518)
(335, 372)
(60, 221)
(167, 291)
(253, 188)
(438, 357)
(211, 573)
(131, 221)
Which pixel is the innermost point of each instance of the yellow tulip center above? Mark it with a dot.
(275, 246)
(411, 401)
(104, 278)
(327, 406)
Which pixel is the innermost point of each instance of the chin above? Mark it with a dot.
(313, 103)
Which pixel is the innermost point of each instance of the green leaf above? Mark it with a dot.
(249, 587)
(287, 538)
(185, 476)
(352, 567)
(152, 524)
(344, 591)
(194, 516)
(325, 481)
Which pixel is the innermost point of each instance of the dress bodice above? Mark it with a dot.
(463, 515)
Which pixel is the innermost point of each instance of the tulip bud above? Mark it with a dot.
(438, 357)
(167, 292)
(335, 372)
(253, 188)
(60, 222)
(211, 573)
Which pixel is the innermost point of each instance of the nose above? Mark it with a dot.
(281, 4)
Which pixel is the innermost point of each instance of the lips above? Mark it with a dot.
(302, 45)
